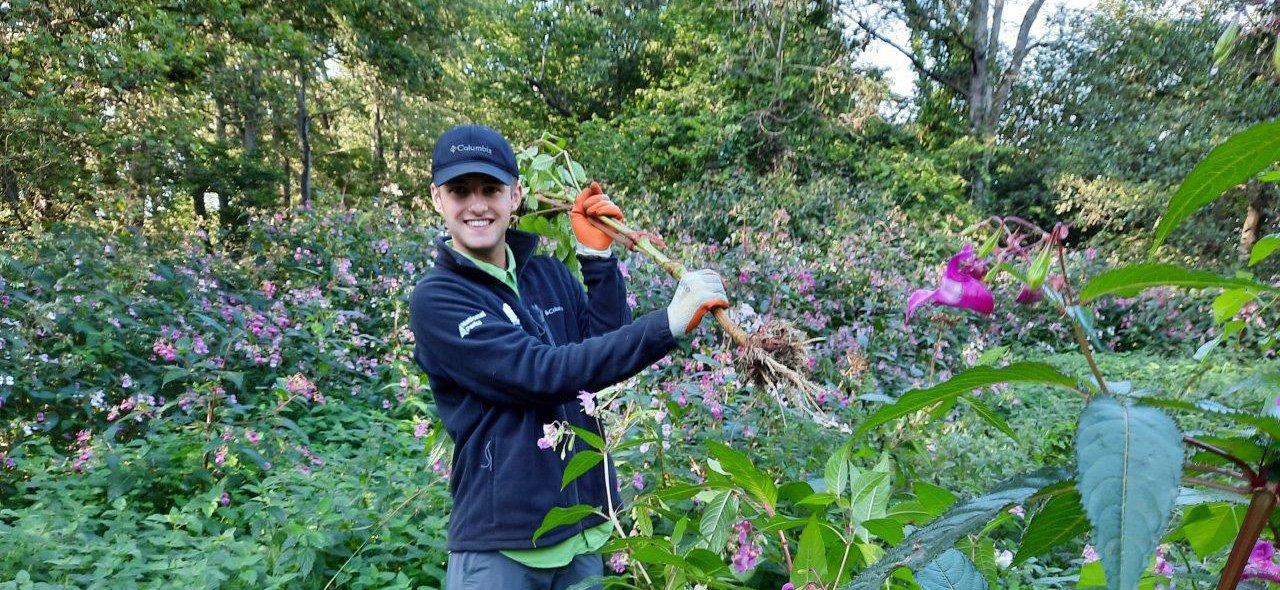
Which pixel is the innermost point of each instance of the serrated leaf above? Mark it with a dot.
(1128, 281)
(1211, 527)
(717, 520)
(990, 416)
(744, 474)
(926, 543)
(1264, 248)
(581, 463)
(951, 571)
(1060, 520)
(1129, 460)
(1232, 162)
(968, 380)
(561, 516)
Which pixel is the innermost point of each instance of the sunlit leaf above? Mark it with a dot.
(1128, 281)
(1061, 519)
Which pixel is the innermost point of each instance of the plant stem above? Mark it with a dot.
(1264, 501)
(1076, 328)
(1245, 467)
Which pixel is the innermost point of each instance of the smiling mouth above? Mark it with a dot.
(479, 222)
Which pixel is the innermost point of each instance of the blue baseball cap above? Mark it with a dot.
(469, 149)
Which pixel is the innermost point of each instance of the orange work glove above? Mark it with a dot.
(592, 202)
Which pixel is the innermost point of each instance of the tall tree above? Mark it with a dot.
(959, 46)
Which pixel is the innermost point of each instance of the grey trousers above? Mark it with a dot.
(491, 570)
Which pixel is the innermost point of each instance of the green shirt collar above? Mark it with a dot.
(507, 276)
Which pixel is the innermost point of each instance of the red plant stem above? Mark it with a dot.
(1216, 470)
(1249, 473)
(1264, 501)
(1081, 339)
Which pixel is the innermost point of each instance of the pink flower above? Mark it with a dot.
(1089, 554)
(1026, 296)
(1261, 564)
(253, 437)
(420, 429)
(1163, 567)
(618, 562)
(225, 499)
(960, 286)
(637, 481)
(588, 402)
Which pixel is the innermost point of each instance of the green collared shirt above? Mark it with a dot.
(507, 275)
(589, 540)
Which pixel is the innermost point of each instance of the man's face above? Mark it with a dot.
(477, 209)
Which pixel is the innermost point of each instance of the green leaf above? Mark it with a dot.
(1060, 520)
(581, 463)
(951, 571)
(1264, 424)
(1091, 575)
(744, 474)
(837, 472)
(1226, 41)
(1227, 304)
(561, 516)
(1230, 163)
(589, 437)
(892, 531)
(1129, 460)
(927, 542)
(1128, 281)
(1228, 330)
(1263, 248)
(989, 415)
(542, 162)
(869, 497)
(172, 375)
(933, 498)
(717, 520)
(1039, 269)
(968, 380)
(1211, 527)
(811, 558)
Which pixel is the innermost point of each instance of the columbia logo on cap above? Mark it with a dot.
(471, 148)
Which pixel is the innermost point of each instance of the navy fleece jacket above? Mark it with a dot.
(501, 365)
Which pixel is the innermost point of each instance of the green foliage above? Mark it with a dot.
(951, 571)
(1232, 162)
(1130, 460)
(928, 542)
(1130, 280)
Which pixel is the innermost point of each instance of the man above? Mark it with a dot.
(508, 341)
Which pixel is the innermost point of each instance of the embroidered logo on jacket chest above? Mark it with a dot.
(470, 323)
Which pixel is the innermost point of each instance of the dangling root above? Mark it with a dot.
(773, 359)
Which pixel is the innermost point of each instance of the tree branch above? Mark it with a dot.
(915, 62)
(1020, 51)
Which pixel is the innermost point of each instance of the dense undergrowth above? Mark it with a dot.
(187, 407)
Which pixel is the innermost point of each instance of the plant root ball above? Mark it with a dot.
(777, 341)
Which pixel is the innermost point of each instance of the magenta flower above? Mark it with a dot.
(1261, 564)
(1026, 296)
(960, 286)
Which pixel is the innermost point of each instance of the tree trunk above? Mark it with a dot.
(219, 119)
(304, 141)
(11, 195)
(376, 142)
(253, 112)
(1253, 218)
(395, 134)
